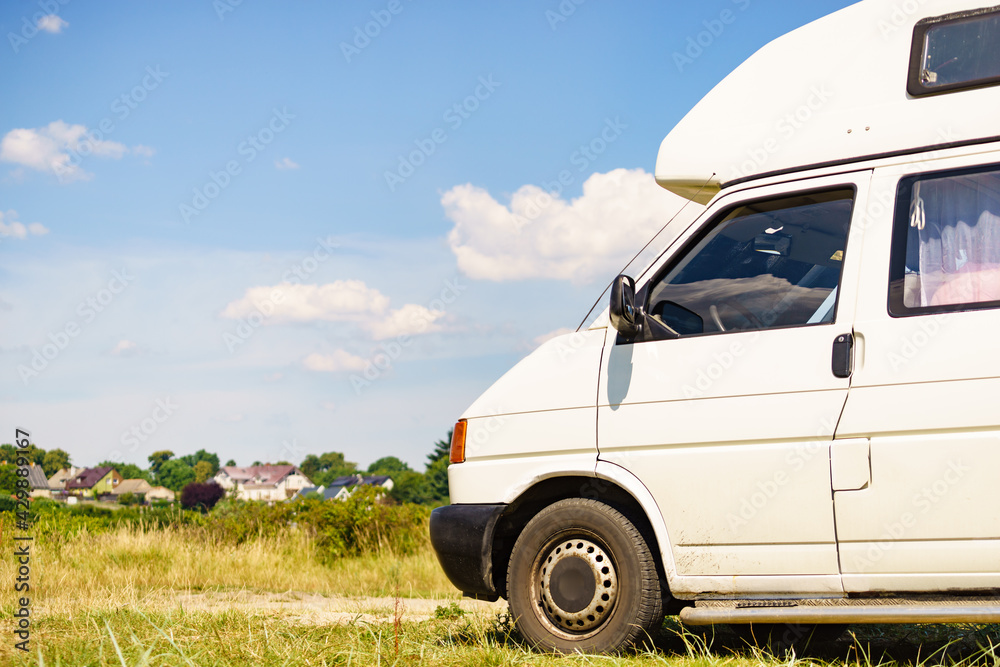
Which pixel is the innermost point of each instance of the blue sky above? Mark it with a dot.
(273, 229)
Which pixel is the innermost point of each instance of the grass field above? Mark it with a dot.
(168, 597)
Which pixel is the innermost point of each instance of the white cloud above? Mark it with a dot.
(57, 148)
(337, 362)
(286, 163)
(52, 23)
(339, 301)
(143, 151)
(125, 348)
(10, 226)
(543, 236)
(409, 320)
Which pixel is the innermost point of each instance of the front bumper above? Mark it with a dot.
(462, 537)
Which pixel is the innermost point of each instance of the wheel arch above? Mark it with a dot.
(606, 488)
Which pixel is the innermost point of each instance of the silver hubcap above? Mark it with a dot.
(579, 585)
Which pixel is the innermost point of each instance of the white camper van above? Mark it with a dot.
(793, 414)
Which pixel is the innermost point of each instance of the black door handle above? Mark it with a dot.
(843, 355)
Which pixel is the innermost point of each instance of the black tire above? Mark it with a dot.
(581, 578)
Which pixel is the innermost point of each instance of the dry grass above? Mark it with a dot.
(130, 568)
(122, 597)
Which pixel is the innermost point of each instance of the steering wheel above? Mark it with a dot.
(738, 307)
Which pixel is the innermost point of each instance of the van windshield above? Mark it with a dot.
(765, 264)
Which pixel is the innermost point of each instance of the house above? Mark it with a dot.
(349, 481)
(341, 487)
(37, 482)
(159, 493)
(325, 492)
(94, 482)
(264, 482)
(137, 487)
(58, 481)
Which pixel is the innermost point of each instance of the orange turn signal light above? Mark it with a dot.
(458, 442)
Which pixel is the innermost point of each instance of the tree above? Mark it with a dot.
(202, 471)
(201, 496)
(326, 467)
(442, 449)
(158, 458)
(54, 461)
(436, 477)
(201, 455)
(175, 474)
(8, 478)
(231, 462)
(408, 487)
(436, 482)
(32, 452)
(127, 470)
(388, 465)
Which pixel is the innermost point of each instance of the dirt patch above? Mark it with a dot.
(313, 609)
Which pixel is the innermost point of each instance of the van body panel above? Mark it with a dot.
(848, 101)
(925, 394)
(731, 432)
(502, 479)
(559, 374)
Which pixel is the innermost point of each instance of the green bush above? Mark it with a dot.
(129, 498)
(364, 523)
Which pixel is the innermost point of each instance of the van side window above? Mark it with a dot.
(955, 52)
(761, 265)
(946, 242)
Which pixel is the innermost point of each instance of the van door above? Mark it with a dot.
(926, 384)
(729, 425)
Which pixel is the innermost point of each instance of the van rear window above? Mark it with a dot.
(946, 243)
(955, 52)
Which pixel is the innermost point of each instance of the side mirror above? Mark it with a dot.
(624, 316)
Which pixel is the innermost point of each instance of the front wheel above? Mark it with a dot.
(581, 578)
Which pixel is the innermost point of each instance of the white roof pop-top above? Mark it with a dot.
(833, 90)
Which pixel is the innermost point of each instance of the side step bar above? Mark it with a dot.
(849, 613)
